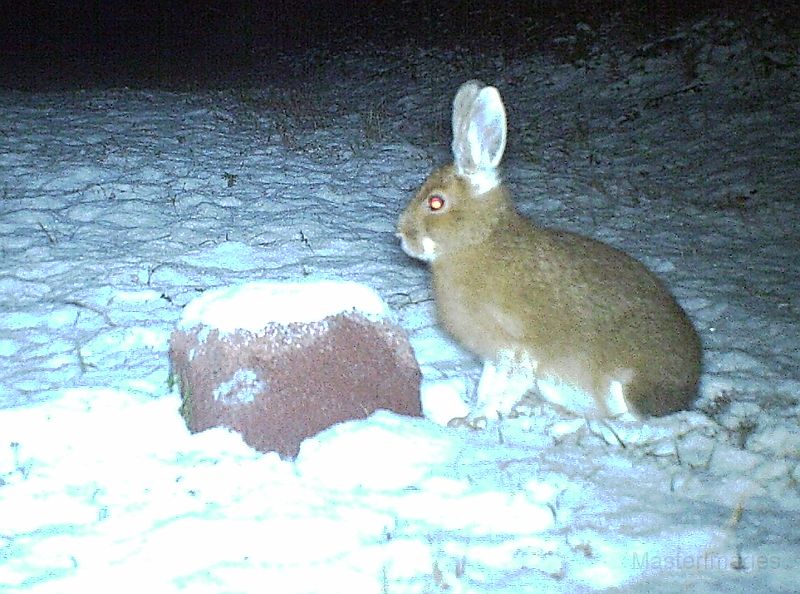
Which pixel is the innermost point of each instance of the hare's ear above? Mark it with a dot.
(479, 132)
(462, 108)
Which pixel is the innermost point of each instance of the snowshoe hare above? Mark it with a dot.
(583, 324)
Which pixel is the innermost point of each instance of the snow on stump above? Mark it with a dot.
(280, 362)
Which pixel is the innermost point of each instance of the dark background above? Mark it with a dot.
(65, 43)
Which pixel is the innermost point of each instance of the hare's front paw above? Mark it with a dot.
(504, 382)
(468, 422)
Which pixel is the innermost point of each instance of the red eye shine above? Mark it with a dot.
(436, 202)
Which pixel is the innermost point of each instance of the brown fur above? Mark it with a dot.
(585, 311)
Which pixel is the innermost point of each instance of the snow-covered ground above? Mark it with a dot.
(119, 206)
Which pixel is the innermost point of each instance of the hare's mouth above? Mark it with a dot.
(425, 250)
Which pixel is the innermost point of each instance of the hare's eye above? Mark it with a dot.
(435, 202)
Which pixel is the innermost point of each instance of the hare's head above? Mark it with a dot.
(459, 204)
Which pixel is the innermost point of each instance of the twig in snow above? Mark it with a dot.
(654, 101)
(50, 237)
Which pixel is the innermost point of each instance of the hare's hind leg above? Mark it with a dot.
(505, 380)
(648, 397)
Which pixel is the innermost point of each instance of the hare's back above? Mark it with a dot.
(557, 283)
(587, 270)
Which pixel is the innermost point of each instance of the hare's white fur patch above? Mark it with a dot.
(616, 405)
(504, 382)
(566, 396)
(483, 180)
(582, 403)
(428, 253)
(428, 250)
